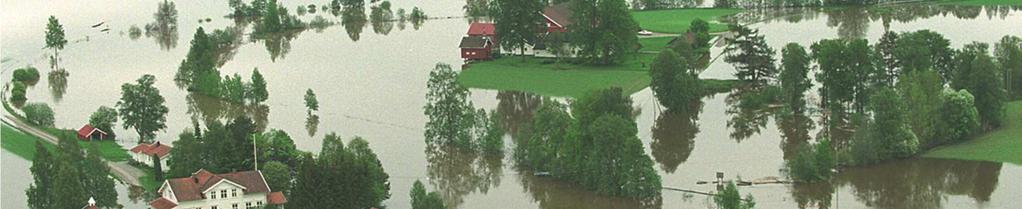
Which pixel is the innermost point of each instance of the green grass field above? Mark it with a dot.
(654, 44)
(677, 20)
(1002, 145)
(564, 79)
(983, 2)
(21, 144)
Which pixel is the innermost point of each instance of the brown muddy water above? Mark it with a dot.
(371, 81)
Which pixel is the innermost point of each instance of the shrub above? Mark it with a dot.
(39, 114)
(812, 163)
(959, 117)
(26, 74)
(18, 91)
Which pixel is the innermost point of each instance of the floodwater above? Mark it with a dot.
(371, 79)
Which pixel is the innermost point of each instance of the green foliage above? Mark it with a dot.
(141, 108)
(277, 146)
(1009, 54)
(278, 176)
(18, 91)
(977, 73)
(1001, 145)
(672, 83)
(67, 178)
(26, 74)
(157, 168)
(924, 50)
(39, 114)
(921, 90)
(55, 34)
(448, 109)
(959, 118)
(610, 39)
(104, 119)
(351, 177)
(885, 51)
(794, 76)
(310, 100)
(812, 163)
(198, 71)
(489, 134)
(43, 170)
(232, 89)
(888, 134)
(847, 73)
(423, 200)
(515, 21)
(729, 198)
(752, 57)
(257, 91)
(701, 29)
(219, 149)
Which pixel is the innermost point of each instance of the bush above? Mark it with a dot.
(812, 163)
(18, 91)
(26, 74)
(959, 117)
(39, 114)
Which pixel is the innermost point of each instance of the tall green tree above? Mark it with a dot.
(257, 90)
(68, 191)
(39, 114)
(278, 176)
(977, 73)
(1009, 54)
(672, 82)
(157, 168)
(310, 101)
(921, 91)
(752, 57)
(352, 177)
(96, 178)
(104, 119)
(448, 109)
(189, 152)
(794, 76)
(604, 30)
(701, 30)
(889, 134)
(43, 170)
(55, 38)
(423, 200)
(516, 22)
(924, 50)
(141, 107)
(885, 50)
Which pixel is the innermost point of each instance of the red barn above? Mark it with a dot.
(476, 48)
(482, 29)
(89, 133)
(557, 17)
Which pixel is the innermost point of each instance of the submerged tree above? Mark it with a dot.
(423, 200)
(794, 76)
(55, 39)
(752, 57)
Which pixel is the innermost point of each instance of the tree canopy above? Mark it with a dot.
(141, 108)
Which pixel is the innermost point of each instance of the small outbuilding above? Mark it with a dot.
(476, 48)
(144, 153)
(89, 133)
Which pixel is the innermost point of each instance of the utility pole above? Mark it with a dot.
(255, 153)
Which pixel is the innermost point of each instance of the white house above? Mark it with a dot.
(144, 152)
(206, 190)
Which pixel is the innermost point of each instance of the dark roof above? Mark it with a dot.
(481, 29)
(474, 42)
(159, 149)
(162, 203)
(559, 13)
(191, 188)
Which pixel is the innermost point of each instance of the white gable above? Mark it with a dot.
(224, 184)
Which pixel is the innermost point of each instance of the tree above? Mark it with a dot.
(924, 50)
(353, 177)
(448, 109)
(278, 176)
(672, 83)
(977, 73)
(729, 198)
(847, 73)
(157, 168)
(96, 177)
(277, 146)
(39, 114)
(142, 108)
(189, 153)
(885, 50)
(959, 118)
(921, 91)
(18, 91)
(794, 76)
(723, 3)
(27, 74)
(423, 200)
(516, 22)
(55, 37)
(310, 101)
(606, 31)
(258, 91)
(1009, 54)
(701, 29)
(68, 191)
(752, 57)
(812, 163)
(198, 71)
(888, 135)
(104, 119)
(43, 170)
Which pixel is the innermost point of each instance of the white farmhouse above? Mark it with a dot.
(206, 190)
(143, 153)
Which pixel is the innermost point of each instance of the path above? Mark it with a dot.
(122, 170)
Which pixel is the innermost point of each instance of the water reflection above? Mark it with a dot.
(515, 109)
(209, 109)
(312, 124)
(674, 134)
(58, 84)
(382, 18)
(456, 173)
(794, 127)
(744, 117)
(921, 183)
(552, 193)
(164, 29)
(354, 20)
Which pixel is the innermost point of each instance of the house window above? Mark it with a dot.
(223, 193)
(259, 203)
(213, 207)
(212, 195)
(234, 192)
(235, 206)
(248, 204)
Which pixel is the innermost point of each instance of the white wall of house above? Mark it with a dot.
(225, 196)
(147, 160)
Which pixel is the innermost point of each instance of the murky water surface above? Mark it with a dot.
(371, 81)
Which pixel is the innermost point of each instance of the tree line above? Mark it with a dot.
(66, 177)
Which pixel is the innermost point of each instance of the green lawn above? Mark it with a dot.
(534, 75)
(21, 144)
(654, 44)
(1002, 145)
(677, 20)
(983, 2)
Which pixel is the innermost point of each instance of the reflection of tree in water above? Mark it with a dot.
(515, 109)
(164, 29)
(456, 173)
(554, 193)
(794, 127)
(58, 84)
(814, 195)
(851, 23)
(745, 119)
(382, 19)
(674, 136)
(354, 20)
(209, 109)
(312, 124)
(921, 182)
(227, 41)
(278, 44)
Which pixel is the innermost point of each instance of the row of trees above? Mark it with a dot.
(454, 120)
(199, 71)
(66, 177)
(350, 176)
(595, 146)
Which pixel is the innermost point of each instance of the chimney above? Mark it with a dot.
(157, 144)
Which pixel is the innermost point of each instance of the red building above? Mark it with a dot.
(482, 29)
(89, 133)
(476, 48)
(557, 17)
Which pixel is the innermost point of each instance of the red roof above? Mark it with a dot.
(191, 188)
(162, 203)
(159, 149)
(559, 14)
(275, 198)
(87, 130)
(481, 29)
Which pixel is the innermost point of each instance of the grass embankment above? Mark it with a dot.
(19, 143)
(983, 2)
(539, 75)
(1002, 145)
(677, 21)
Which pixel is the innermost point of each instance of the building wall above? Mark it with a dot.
(147, 160)
(241, 199)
